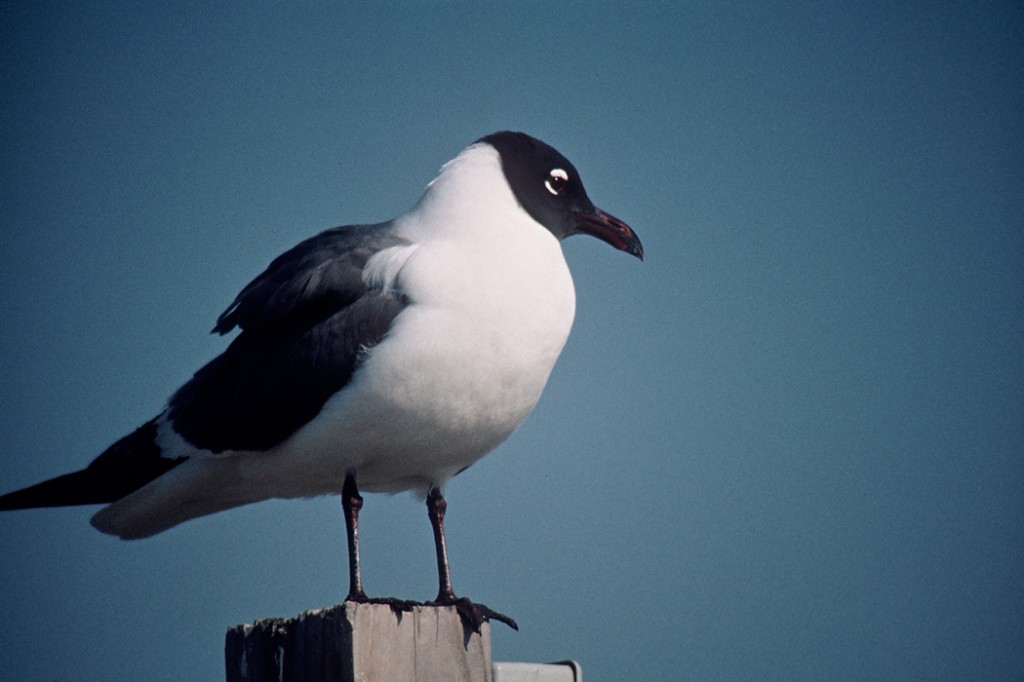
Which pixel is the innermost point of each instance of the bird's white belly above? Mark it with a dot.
(452, 380)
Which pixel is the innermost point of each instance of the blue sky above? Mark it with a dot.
(787, 446)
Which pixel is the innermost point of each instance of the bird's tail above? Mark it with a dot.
(124, 467)
(79, 487)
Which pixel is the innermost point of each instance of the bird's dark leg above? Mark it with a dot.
(473, 614)
(436, 506)
(352, 502)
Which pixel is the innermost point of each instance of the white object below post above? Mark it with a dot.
(562, 671)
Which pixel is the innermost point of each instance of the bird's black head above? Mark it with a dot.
(548, 187)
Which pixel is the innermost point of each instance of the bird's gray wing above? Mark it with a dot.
(306, 321)
(322, 271)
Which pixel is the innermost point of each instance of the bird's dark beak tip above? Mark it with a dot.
(610, 229)
(636, 249)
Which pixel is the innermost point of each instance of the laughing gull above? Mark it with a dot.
(382, 357)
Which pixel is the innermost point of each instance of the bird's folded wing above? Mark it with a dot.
(323, 271)
(306, 321)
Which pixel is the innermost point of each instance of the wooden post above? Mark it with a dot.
(353, 642)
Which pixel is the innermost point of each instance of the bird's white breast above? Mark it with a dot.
(491, 306)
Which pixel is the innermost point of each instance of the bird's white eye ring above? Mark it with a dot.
(557, 180)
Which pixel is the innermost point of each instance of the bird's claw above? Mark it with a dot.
(397, 605)
(474, 615)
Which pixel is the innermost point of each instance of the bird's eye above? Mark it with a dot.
(557, 180)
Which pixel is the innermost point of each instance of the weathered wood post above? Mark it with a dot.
(353, 642)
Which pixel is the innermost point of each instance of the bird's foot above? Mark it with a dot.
(473, 614)
(397, 605)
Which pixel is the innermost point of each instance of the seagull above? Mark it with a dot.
(381, 358)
